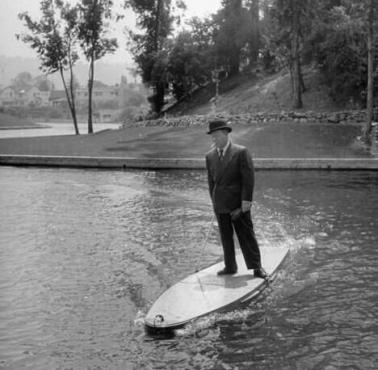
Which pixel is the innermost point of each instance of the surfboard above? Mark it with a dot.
(205, 292)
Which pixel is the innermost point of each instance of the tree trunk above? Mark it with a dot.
(370, 81)
(158, 87)
(73, 101)
(158, 99)
(159, 6)
(303, 86)
(254, 43)
(297, 87)
(69, 101)
(235, 62)
(90, 92)
(235, 52)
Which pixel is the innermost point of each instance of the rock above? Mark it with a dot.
(333, 118)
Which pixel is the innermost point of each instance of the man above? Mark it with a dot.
(231, 182)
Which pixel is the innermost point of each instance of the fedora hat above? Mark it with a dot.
(218, 125)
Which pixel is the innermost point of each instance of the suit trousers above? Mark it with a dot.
(243, 227)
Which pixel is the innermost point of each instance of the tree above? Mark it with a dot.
(254, 34)
(43, 83)
(189, 65)
(134, 73)
(371, 15)
(356, 22)
(93, 28)
(271, 53)
(293, 19)
(341, 43)
(54, 37)
(231, 35)
(150, 48)
(23, 81)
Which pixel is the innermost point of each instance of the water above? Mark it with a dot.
(56, 129)
(85, 253)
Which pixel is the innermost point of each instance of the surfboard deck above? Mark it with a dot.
(205, 292)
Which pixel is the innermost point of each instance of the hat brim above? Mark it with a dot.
(226, 128)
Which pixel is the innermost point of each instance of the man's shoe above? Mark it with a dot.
(261, 273)
(226, 272)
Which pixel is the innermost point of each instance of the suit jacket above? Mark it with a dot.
(231, 179)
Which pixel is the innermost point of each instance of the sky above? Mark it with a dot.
(10, 25)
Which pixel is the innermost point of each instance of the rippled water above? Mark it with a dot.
(85, 253)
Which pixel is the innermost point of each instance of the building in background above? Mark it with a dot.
(30, 97)
(108, 102)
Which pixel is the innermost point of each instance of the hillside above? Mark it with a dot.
(266, 94)
(246, 94)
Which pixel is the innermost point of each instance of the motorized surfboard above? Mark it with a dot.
(205, 292)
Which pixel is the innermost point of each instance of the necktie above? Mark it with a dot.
(220, 154)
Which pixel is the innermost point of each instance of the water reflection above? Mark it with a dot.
(56, 129)
(85, 253)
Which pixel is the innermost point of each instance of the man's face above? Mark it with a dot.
(220, 138)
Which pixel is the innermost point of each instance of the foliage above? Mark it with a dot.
(236, 35)
(150, 47)
(43, 83)
(133, 99)
(340, 48)
(132, 114)
(93, 28)
(244, 35)
(54, 38)
(292, 22)
(230, 35)
(92, 34)
(328, 33)
(341, 56)
(22, 81)
(189, 65)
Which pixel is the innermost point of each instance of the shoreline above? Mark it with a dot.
(23, 127)
(124, 163)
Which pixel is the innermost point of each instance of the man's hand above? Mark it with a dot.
(246, 205)
(235, 214)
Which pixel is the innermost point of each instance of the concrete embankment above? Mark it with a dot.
(187, 163)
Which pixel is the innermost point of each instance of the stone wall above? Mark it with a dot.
(350, 117)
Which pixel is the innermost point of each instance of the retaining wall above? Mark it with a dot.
(350, 117)
(187, 163)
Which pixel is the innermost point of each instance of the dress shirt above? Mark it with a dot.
(224, 149)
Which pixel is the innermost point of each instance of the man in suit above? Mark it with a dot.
(231, 182)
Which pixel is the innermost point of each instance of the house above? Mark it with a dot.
(58, 98)
(8, 97)
(102, 95)
(37, 98)
(31, 97)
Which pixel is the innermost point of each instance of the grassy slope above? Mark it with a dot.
(268, 94)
